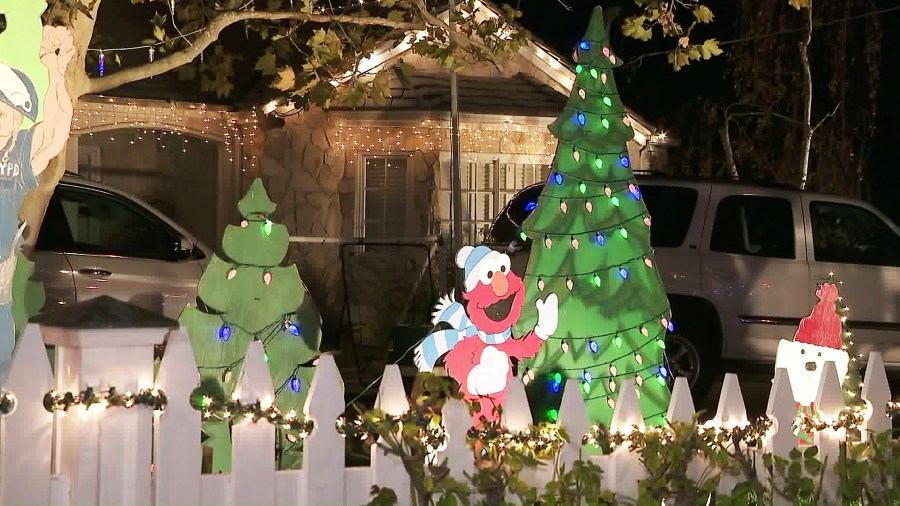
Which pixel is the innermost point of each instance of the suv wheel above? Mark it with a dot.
(684, 360)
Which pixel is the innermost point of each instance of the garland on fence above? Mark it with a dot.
(892, 409)
(62, 401)
(369, 427)
(7, 402)
(850, 418)
(300, 428)
(537, 439)
(750, 434)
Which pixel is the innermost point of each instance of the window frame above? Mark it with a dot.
(117, 199)
(360, 218)
(808, 207)
(798, 252)
(499, 197)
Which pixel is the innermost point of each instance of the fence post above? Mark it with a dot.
(780, 439)
(730, 413)
(829, 403)
(177, 435)
(323, 450)
(877, 392)
(624, 467)
(26, 434)
(574, 418)
(104, 343)
(681, 410)
(388, 470)
(457, 421)
(253, 444)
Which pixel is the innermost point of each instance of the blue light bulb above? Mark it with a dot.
(224, 332)
(600, 239)
(636, 194)
(594, 347)
(293, 328)
(663, 371)
(554, 386)
(530, 206)
(624, 161)
(580, 118)
(557, 178)
(584, 45)
(296, 384)
(587, 376)
(671, 326)
(623, 273)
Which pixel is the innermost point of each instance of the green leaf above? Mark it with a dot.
(159, 33)
(396, 15)
(799, 4)
(266, 64)
(810, 452)
(634, 27)
(321, 93)
(286, 79)
(710, 48)
(703, 14)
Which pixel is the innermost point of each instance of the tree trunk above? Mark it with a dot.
(806, 146)
(35, 202)
(726, 146)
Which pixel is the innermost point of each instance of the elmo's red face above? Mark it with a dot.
(495, 303)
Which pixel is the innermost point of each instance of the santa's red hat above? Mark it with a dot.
(823, 326)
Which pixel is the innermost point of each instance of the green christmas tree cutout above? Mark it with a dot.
(590, 234)
(248, 296)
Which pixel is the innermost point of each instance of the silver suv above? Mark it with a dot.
(96, 240)
(741, 264)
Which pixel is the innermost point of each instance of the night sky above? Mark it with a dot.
(656, 92)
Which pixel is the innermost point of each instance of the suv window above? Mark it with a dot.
(851, 234)
(94, 223)
(755, 226)
(671, 208)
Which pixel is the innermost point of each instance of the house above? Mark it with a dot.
(379, 172)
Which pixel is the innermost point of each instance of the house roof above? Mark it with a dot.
(520, 95)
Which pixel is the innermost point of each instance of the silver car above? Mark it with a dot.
(96, 240)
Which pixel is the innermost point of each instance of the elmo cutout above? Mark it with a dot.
(479, 343)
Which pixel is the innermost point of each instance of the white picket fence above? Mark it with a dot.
(134, 456)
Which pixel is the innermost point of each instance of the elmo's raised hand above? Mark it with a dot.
(57, 48)
(548, 316)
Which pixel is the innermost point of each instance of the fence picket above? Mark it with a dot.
(877, 392)
(681, 405)
(323, 450)
(730, 413)
(26, 434)
(457, 421)
(624, 468)
(387, 470)
(573, 416)
(829, 403)
(253, 444)
(781, 438)
(177, 447)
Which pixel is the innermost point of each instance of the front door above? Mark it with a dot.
(117, 248)
(862, 249)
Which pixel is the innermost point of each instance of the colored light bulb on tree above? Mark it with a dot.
(584, 45)
(582, 187)
(296, 384)
(593, 346)
(224, 332)
(607, 101)
(594, 73)
(580, 118)
(267, 227)
(598, 163)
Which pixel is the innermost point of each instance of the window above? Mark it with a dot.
(755, 226)
(486, 189)
(851, 234)
(672, 209)
(387, 194)
(93, 223)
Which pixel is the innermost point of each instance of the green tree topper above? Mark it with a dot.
(247, 296)
(591, 245)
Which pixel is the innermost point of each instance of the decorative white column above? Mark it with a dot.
(106, 452)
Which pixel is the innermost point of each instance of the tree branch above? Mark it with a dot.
(431, 19)
(211, 33)
(825, 118)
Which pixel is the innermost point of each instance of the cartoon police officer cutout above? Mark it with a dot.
(26, 149)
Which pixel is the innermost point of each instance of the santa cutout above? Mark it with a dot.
(818, 340)
(478, 343)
